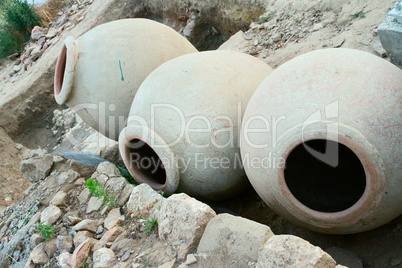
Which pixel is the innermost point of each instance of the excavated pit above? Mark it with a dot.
(207, 25)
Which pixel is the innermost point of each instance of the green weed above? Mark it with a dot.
(361, 14)
(17, 19)
(96, 190)
(150, 224)
(27, 219)
(45, 231)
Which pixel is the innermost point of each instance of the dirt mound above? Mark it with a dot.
(287, 30)
(12, 182)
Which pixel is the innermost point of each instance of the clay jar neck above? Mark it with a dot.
(330, 174)
(149, 158)
(65, 68)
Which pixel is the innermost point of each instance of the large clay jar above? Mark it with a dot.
(332, 141)
(183, 128)
(99, 74)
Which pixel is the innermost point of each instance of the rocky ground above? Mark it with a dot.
(39, 186)
(62, 222)
(287, 30)
(11, 179)
(42, 39)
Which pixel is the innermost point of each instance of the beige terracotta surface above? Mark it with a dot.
(189, 112)
(317, 96)
(99, 73)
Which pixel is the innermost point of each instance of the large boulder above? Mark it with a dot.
(86, 225)
(38, 255)
(36, 53)
(116, 185)
(65, 244)
(108, 169)
(81, 236)
(112, 154)
(144, 201)
(84, 196)
(36, 239)
(68, 177)
(38, 168)
(104, 258)
(109, 237)
(43, 252)
(50, 215)
(125, 194)
(63, 260)
(37, 32)
(182, 221)
(94, 204)
(231, 240)
(60, 198)
(113, 218)
(81, 253)
(292, 251)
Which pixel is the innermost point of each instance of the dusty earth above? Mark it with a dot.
(305, 26)
(274, 31)
(12, 182)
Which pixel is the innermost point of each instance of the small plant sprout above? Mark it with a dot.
(151, 224)
(95, 189)
(45, 231)
(27, 219)
(361, 14)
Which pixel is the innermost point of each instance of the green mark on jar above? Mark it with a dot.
(121, 71)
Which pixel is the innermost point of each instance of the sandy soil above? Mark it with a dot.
(12, 182)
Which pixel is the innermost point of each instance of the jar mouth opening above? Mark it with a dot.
(324, 175)
(60, 71)
(149, 159)
(64, 73)
(352, 197)
(145, 163)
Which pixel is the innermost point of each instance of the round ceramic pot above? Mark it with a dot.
(183, 128)
(333, 121)
(99, 74)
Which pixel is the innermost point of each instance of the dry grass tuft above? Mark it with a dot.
(49, 10)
